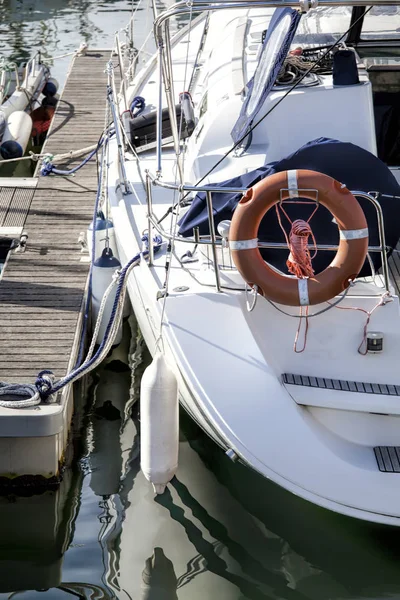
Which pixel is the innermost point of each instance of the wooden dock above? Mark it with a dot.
(42, 289)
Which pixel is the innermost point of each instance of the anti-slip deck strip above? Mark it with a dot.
(388, 458)
(341, 385)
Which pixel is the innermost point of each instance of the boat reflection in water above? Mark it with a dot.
(219, 531)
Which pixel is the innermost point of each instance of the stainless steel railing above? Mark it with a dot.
(214, 241)
(161, 31)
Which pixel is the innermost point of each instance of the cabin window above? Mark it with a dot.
(382, 22)
(323, 26)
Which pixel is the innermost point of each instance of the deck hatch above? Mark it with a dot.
(380, 389)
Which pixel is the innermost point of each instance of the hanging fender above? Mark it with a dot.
(289, 185)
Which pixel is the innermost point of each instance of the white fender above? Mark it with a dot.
(31, 85)
(16, 135)
(159, 418)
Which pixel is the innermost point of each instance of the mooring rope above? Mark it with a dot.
(46, 388)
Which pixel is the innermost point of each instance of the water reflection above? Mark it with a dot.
(56, 27)
(35, 532)
(219, 531)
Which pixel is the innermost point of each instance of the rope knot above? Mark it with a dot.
(47, 169)
(157, 242)
(44, 383)
(138, 104)
(299, 261)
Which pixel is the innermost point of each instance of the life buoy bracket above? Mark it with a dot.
(285, 289)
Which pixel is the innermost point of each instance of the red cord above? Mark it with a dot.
(299, 260)
(299, 264)
(381, 302)
(296, 339)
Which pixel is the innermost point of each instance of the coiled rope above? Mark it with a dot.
(299, 262)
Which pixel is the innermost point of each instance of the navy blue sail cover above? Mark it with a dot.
(357, 168)
(266, 73)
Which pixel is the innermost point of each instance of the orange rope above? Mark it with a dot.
(299, 260)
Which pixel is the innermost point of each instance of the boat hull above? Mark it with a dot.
(141, 288)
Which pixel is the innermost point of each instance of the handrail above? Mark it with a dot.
(212, 240)
(117, 125)
(161, 32)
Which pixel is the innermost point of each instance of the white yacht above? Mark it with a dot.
(260, 149)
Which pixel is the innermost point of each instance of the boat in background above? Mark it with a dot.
(27, 104)
(289, 363)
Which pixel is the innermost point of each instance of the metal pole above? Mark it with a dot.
(110, 97)
(213, 240)
(154, 7)
(149, 218)
(196, 68)
(159, 108)
(382, 237)
(121, 71)
(169, 89)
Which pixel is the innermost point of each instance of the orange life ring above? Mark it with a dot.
(289, 290)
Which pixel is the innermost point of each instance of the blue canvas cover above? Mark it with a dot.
(278, 20)
(345, 162)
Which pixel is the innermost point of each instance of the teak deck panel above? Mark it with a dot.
(42, 289)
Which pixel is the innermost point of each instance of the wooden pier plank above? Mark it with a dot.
(42, 289)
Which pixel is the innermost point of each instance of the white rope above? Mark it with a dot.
(73, 153)
(101, 314)
(254, 291)
(79, 52)
(9, 390)
(56, 158)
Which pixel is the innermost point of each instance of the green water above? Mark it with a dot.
(220, 531)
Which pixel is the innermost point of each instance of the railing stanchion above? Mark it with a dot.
(149, 199)
(213, 240)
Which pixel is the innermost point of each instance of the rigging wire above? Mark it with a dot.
(289, 91)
